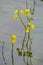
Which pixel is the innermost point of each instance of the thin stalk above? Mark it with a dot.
(23, 41)
(27, 46)
(23, 47)
(31, 61)
(28, 34)
(34, 6)
(30, 51)
(22, 21)
(33, 10)
(27, 61)
(12, 55)
(30, 45)
(3, 53)
(26, 4)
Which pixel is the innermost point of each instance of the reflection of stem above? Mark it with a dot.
(24, 57)
(12, 55)
(27, 61)
(3, 53)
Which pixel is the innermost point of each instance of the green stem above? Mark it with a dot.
(30, 50)
(27, 46)
(23, 41)
(30, 45)
(26, 4)
(33, 10)
(22, 21)
(28, 40)
(34, 6)
(3, 53)
(12, 55)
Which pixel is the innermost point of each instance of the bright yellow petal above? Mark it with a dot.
(32, 26)
(13, 38)
(29, 23)
(27, 29)
(27, 11)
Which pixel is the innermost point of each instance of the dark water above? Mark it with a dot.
(9, 26)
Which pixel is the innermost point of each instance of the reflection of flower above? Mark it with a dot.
(13, 38)
(15, 17)
(27, 29)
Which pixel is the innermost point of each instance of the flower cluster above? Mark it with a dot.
(26, 12)
(30, 26)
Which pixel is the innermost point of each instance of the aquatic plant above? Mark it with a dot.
(30, 26)
(13, 40)
(27, 54)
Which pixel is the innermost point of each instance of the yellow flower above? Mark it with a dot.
(13, 38)
(29, 23)
(27, 12)
(21, 12)
(27, 29)
(32, 26)
(15, 17)
(16, 12)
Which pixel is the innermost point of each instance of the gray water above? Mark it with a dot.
(9, 26)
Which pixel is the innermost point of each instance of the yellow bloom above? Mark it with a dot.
(16, 12)
(27, 29)
(15, 17)
(21, 12)
(32, 26)
(27, 12)
(29, 23)
(13, 38)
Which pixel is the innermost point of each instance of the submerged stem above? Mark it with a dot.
(3, 53)
(12, 55)
(31, 61)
